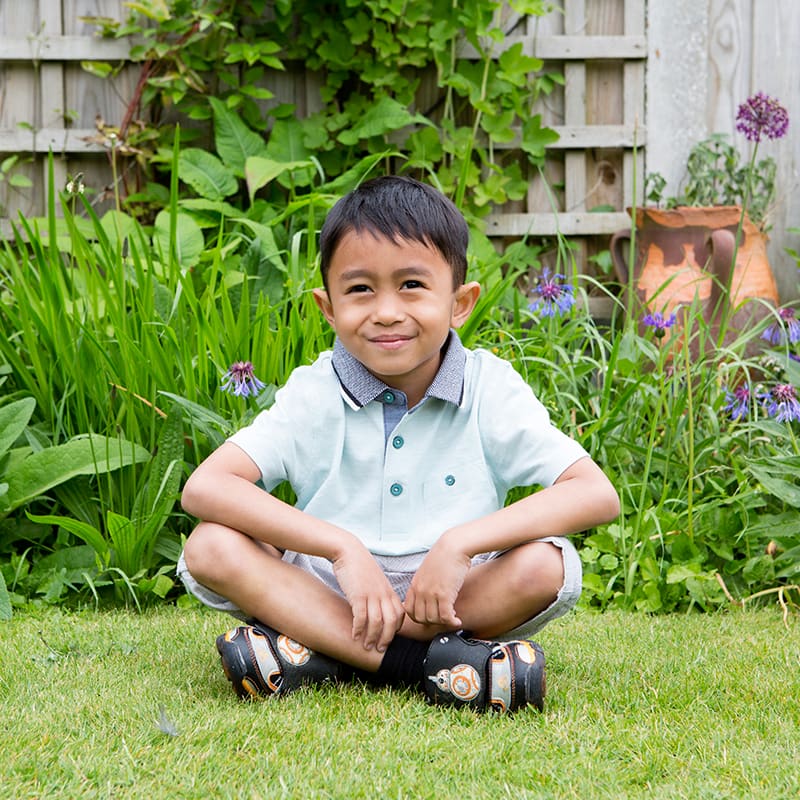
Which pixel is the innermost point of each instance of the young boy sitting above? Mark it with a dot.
(400, 562)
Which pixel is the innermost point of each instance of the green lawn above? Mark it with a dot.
(102, 705)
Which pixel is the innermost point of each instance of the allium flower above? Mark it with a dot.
(240, 380)
(554, 298)
(781, 402)
(738, 402)
(658, 322)
(778, 333)
(761, 116)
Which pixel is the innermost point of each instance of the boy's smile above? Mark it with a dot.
(392, 305)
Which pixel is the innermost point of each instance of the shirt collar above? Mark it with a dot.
(363, 387)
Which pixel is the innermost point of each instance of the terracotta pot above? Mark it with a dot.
(686, 253)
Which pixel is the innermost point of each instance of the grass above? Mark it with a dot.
(122, 705)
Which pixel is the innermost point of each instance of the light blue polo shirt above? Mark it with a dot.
(397, 478)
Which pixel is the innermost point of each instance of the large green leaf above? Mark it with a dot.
(385, 116)
(286, 142)
(206, 174)
(13, 419)
(259, 171)
(235, 142)
(88, 533)
(87, 455)
(189, 240)
(784, 490)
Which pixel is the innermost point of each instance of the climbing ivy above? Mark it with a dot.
(391, 79)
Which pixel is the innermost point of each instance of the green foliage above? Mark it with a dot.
(30, 471)
(391, 80)
(715, 175)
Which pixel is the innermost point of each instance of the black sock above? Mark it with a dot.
(403, 663)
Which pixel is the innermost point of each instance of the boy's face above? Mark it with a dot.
(392, 306)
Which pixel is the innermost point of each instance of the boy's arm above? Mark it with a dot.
(581, 497)
(223, 490)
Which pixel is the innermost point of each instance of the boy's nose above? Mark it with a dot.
(387, 308)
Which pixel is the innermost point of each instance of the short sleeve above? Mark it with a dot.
(521, 444)
(282, 439)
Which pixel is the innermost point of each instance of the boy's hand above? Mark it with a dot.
(432, 596)
(377, 610)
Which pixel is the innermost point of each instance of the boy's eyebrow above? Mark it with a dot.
(359, 272)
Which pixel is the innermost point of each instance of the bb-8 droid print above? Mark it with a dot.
(462, 681)
(292, 652)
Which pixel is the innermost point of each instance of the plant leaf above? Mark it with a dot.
(235, 142)
(385, 116)
(14, 419)
(86, 455)
(5, 600)
(206, 174)
(259, 171)
(189, 240)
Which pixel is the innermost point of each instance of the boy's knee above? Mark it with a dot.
(206, 550)
(542, 569)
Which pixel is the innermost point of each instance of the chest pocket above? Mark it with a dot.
(459, 496)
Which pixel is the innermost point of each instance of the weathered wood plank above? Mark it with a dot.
(581, 137)
(59, 140)
(569, 48)
(51, 47)
(549, 224)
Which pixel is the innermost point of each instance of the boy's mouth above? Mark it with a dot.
(390, 341)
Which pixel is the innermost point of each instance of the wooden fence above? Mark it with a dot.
(643, 82)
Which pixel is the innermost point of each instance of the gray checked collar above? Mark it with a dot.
(363, 387)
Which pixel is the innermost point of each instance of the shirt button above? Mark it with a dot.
(388, 397)
(396, 489)
(398, 442)
(450, 480)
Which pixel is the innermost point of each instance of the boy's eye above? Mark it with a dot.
(359, 287)
(412, 284)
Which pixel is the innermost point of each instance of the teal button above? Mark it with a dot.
(396, 489)
(388, 397)
(450, 480)
(398, 442)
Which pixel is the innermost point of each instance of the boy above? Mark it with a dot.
(399, 563)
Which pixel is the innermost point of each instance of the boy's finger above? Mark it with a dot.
(359, 609)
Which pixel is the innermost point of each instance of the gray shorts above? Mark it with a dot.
(400, 570)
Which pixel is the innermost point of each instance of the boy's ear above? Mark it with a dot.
(466, 296)
(324, 304)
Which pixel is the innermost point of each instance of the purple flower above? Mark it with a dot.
(762, 116)
(787, 328)
(554, 298)
(240, 380)
(658, 322)
(781, 402)
(738, 402)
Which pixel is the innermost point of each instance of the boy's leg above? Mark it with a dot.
(508, 597)
(284, 597)
(503, 593)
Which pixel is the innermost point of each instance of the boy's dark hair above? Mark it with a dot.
(398, 207)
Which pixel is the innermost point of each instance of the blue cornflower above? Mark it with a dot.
(781, 402)
(738, 402)
(658, 322)
(787, 328)
(554, 298)
(240, 380)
